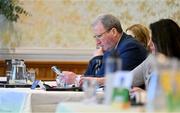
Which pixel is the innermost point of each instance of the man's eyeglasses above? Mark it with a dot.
(100, 35)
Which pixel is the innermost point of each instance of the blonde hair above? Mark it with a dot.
(141, 33)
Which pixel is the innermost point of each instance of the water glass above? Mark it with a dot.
(113, 64)
(161, 85)
(31, 75)
(89, 88)
(61, 81)
(77, 80)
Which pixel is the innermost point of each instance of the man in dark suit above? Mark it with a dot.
(110, 36)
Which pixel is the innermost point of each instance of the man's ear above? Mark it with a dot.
(114, 31)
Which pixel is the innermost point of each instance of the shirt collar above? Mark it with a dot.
(118, 40)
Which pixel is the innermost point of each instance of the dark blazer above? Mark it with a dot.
(130, 51)
(94, 66)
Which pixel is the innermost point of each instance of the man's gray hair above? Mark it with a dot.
(109, 21)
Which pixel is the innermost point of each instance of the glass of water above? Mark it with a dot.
(89, 88)
(31, 76)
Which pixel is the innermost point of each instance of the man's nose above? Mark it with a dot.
(98, 44)
(98, 41)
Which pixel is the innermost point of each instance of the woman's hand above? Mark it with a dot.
(139, 94)
(136, 89)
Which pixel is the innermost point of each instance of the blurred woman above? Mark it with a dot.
(142, 34)
(166, 38)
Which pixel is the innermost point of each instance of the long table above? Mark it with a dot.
(35, 101)
(81, 107)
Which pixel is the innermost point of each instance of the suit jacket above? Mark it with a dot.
(94, 66)
(129, 50)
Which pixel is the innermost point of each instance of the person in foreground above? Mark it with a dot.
(142, 34)
(166, 38)
(110, 36)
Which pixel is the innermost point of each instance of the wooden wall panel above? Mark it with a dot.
(43, 68)
(2, 68)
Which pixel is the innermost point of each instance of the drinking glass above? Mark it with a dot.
(89, 88)
(31, 75)
(160, 84)
(113, 64)
(77, 80)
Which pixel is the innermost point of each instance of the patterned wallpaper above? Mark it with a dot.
(66, 23)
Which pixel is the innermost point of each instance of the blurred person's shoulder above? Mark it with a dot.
(129, 41)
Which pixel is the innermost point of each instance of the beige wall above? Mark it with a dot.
(66, 23)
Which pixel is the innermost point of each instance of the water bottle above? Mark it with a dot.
(112, 64)
(60, 79)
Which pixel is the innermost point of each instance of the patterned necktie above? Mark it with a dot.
(98, 65)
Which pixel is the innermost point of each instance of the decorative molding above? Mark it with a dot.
(41, 54)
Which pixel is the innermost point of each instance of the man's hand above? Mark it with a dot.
(70, 77)
(98, 52)
(84, 78)
(100, 81)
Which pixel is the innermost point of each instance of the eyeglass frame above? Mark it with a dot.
(100, 35)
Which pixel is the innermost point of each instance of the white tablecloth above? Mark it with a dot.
(43, 101)
(37, 100)
(80, 107)
(12, 101)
